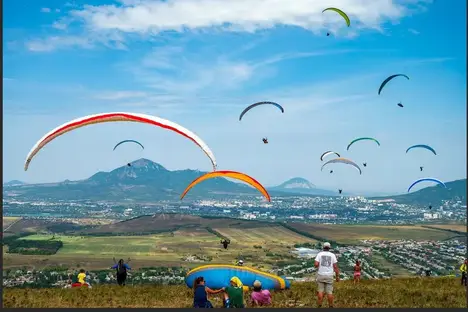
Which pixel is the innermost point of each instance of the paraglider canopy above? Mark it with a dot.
(428, 180)
(257, 104)
(328, 153)
(128, 141)
(390, 78)
(424, 146)
(361, 139)
(343, 14)
(343, 161)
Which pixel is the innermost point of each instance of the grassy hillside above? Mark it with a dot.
(395, 293)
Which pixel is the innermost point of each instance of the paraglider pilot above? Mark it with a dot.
(265, 140)
(121, 270)
(225, 243)
(364, 164)
(421, 168)
(340, 191)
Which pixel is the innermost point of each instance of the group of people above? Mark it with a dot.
(233, 295)
(120, 267)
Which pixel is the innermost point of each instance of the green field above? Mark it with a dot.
(171, 248)
(7, 221)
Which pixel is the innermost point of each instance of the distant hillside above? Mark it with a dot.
(301, 186)
(433, 195)
(143, 181)
(14, 183)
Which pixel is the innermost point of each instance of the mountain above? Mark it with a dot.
(433, 195)
(14, 183)
(143, 181)
(301, 186)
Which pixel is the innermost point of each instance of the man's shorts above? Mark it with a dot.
(324, 284)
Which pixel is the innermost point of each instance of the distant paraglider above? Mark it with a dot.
(129, 164)
(426, 180)
(257, 104)
(343, 161)
(390, 78)
(361, 139)
(421, 168)
(422, 146)
(225, 243)
(331, 171)
(340, 190)
(343, 14)
(128, 141)
(265, 140)
(364, 164)
(328, 153)
(399, 104)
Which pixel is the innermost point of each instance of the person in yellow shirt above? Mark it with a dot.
(463, 269)
(82, 277)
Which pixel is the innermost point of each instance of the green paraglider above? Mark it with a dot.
(343, 14)
(361, 139)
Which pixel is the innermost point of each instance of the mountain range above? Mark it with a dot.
(146, 181)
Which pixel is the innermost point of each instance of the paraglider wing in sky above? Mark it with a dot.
(328, 153)
(343, 161)
(428, 180)
(228, 174)
(257, 104)
(108, 117)
(390, 78)
(422, 146)
(128, 141)
(343, 14)
(361, 139)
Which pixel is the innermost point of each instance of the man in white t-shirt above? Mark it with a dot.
(326, 265)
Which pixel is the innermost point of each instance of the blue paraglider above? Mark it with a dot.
(219, 275)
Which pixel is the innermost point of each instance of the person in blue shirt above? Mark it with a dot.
(200, 293)
(121, 268)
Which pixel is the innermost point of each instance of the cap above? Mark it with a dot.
(326, 245)
(241, 261)
(257, 283)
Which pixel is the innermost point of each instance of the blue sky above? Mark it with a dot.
(200, 62)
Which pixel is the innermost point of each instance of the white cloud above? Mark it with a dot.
(119, 95)
(8, 79)
(86, 42)
(413, 31)
(150, 18)
(45, 10)
(57, 10)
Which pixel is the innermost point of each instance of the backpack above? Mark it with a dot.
(121, 269)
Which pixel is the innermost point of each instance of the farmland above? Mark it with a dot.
(350, 234)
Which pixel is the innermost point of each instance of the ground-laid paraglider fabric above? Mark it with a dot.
(218, 276)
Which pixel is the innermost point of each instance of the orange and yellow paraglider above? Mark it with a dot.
(228, 174)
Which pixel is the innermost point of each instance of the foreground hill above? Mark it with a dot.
(433, 195)
(392, 293)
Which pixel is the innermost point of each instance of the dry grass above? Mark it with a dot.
(397, 293)
(353, 233)
(453, 227)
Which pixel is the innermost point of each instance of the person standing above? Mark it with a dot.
(357, 272)
(326, 264)
(463, 269)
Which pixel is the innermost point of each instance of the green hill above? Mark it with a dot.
(391, 293)
(433, 195)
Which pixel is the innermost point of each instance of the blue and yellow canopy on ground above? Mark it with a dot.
(217, 276)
